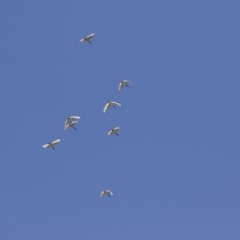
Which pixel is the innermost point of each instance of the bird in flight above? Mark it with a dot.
(106, 193)
(113, 131)
(71, 121)
(88, 38)
(52, 144)
(123, 83)
(71, 125)
(111, 104)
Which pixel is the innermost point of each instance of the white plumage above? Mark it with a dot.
(71, 125)
(106, 193)
(87, 38)
(123, 83)
(111, 104)
(71, 121)
(52, 144)
(113, 131)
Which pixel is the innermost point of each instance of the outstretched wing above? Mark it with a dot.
(74, 118)
(120, 86)
(46, 145)
(66, 124)
(110, 132)
(116, 103)
(106, 107)
(88, 37)
(56, 141)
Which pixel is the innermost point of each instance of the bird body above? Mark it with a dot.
(87, 38)
(106, 193)
(111, 104)
(52, 144)
(113, 131)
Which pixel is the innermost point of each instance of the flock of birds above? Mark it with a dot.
(72, 121)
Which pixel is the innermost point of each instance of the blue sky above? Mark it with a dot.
(174, 169)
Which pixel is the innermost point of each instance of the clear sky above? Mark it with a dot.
(175, 167)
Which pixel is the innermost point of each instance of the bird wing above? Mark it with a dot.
(90, 36)
(120, 86)
(74, 118)
(127, 81)
(109, 132)
(46, 145)
(109, 192)
(117, 128)
(116, 103)
(73, 123)
(66, 124)
(106, 107)
(56, 141)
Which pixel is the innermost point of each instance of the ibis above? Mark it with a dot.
(111, 104)
(71, 121)
(122, 84)
(106, 193)
(88, 38)
(52, 144)
(113, 131)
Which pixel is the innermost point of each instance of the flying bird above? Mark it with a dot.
(87, 38)
(106, 193)
(113, 131)
(71, 125)
(111, 104)
(123, 83)
(52, 144)
(71, 121)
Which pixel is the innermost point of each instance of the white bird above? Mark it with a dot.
(123, 83)
(52, 144)
(71, 124)
(111, 104)
(106, 193)
(113, 131)
(87, 38)
(71, 121)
